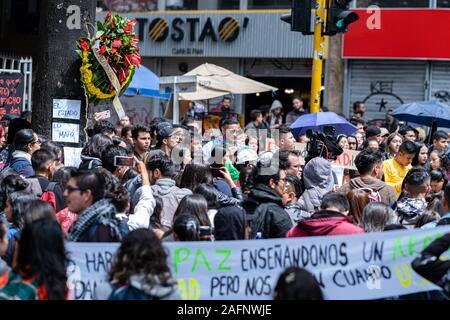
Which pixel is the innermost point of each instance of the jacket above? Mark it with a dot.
(318, 180)
(387, 193)
(296, 213)
(230, 223)
(89, 163)
(264, 208)
(409, 210)
(324, 223)
(429, 266)
(21, 163)
(43, 183)
(143, 209)
(135, 289)
(171, 196)
(394, 173)
(293, 115)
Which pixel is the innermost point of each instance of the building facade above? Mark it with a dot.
(397, 54)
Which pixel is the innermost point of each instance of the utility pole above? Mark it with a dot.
(62, 22)
(319, 52)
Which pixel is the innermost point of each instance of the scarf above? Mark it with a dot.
(101, 212)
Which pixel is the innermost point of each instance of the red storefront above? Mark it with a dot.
(396, 56)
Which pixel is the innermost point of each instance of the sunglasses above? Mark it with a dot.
(71, 189)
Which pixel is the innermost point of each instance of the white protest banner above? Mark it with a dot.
(368, 266)
(66, 109)
(65, 132)
(72, 157)
(347, 159)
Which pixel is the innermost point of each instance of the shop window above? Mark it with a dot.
(443, 3)
(228, 4)
(269, 4)
(182, 4)
(127, 5)
(394, 3)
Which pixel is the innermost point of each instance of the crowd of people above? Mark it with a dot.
(142, 186)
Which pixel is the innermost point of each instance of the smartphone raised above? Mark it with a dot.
(124, 161)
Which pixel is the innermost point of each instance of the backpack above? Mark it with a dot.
(128, 293)
(374, 196)
(49, 195)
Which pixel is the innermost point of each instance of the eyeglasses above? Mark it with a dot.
(71, 189)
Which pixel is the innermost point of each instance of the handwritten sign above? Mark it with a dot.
(65, 132)
(11, 93)
(369, 266)
(347, 160)
(72, 157)
(66, 109)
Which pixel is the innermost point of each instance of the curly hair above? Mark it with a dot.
(141, 253)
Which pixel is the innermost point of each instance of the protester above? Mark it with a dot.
(104, 127)
(196, 205)
(287, 140)
(44, 166)
(186, 228)
(435, 160)
(65, 217)
(230, 224)
(141, 141)
(96, 222)
(410, 208)
(139, 271)
(391, 123)
(438, 181)
(26, 142)
(421, 158)
(318, 180)
(297, 105)
(290, 161)
(358, 200)
(275, 119)
(264, 206)
(331, 219)
(92, 152)
(359, 108)
(290, 199)
(57, 150)
(297, 284)
(342, 141)
(352, 143)
(375, 132)
(360, 139)
(408, 133)
(440, 143)
(371, 143)
(376, 216)
(40, 272)
(396, 169)
(4, 268)
(370, 167)
(256, 120)
(126, 134)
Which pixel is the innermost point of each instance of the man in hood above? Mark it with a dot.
(318, 179)
(264, 206)
(369, 163)
(331, 220)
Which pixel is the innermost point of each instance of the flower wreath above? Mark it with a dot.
(117, 43)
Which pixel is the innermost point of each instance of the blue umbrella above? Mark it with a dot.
(424, 112)
(317, 122)
(145, 83)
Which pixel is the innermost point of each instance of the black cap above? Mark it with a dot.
(372, 131)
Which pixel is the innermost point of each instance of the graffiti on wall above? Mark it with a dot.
(381, 98)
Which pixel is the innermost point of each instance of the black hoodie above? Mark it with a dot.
(264, 208)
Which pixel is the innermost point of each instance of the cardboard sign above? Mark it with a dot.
(65, 132)
(11, 93)
(66, 109)
(355, 267)
(347, 160)
(72, 157)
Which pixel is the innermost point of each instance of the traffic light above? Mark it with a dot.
(300, 17)
(339, 17)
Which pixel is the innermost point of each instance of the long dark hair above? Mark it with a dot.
(195, 174)
(196, 205)
(42, 253)
(210, 194)
(96, 145)
(9, 184)
(19, 202)
(297, 284)
(141, 253)
(22, 139)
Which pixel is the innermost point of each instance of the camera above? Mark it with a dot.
(323, 144)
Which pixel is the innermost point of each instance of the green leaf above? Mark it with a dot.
(99, 34)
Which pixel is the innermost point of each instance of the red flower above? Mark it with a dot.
(102, 49)
(135, 59)
(117, 43)
(127, 61)
(134, 40)
(84, 45)
(122, 75)
(129, 27)
(113, 50)
(108, 17)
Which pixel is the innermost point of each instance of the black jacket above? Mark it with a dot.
(264, 208)
(430, 267)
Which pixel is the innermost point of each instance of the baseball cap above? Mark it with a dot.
(372, 131)
(384, 132)
(164, 130)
